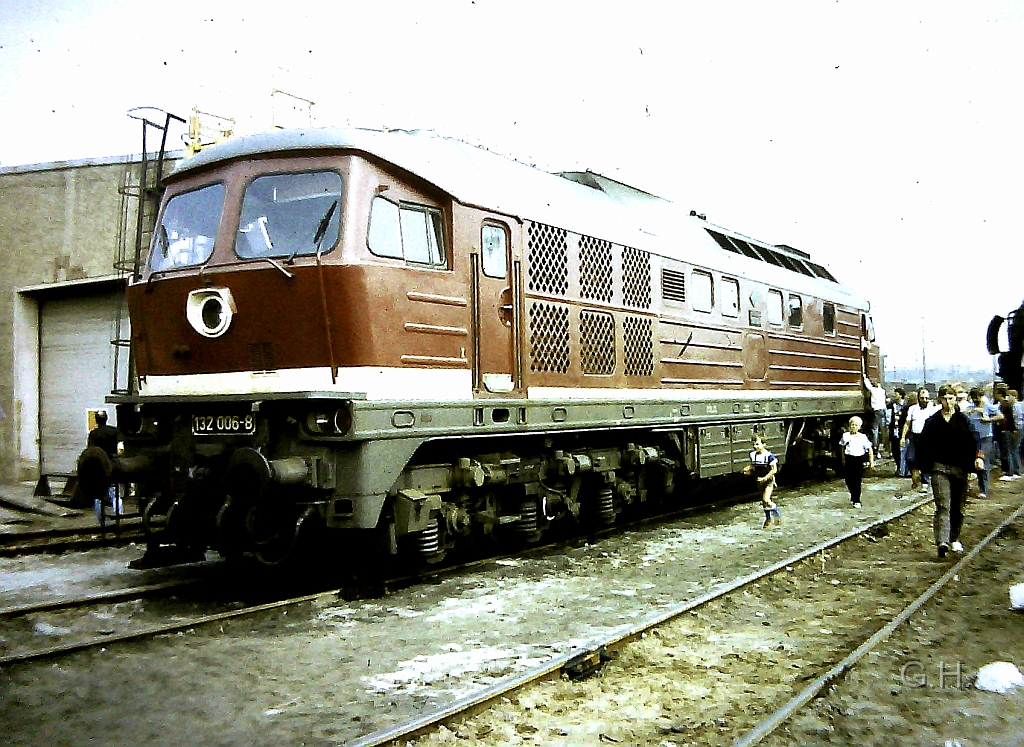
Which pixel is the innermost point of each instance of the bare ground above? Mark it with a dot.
(332, 672)
(711, 676)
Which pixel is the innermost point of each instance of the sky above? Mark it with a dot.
(884, 138)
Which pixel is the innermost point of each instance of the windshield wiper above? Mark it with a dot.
(321, 229)
(161, 246)
(277, 264)
(324, 222)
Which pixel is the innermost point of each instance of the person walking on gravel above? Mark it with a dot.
(896, 408)
(982, 414)
(764, 465)
(856, 453)
(916, 417)
(949, 451)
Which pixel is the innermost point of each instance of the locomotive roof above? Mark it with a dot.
(581, 202)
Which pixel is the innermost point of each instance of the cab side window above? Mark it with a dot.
(775, 307)
(828, 318)
(494, 254)
(405, 231)
(796, 312)
(730, 297)
(702, 291)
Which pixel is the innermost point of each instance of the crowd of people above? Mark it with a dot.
(941, 446)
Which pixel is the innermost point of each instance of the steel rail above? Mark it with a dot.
(773, 722)
(154, 630)
(106, 596)
(593, 649)
(62, 540)
(555, 665)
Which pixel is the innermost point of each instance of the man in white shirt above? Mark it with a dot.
(916, 415)
(877, 411)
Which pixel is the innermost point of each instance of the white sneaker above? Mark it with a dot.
(1007, 478)
(956, 547)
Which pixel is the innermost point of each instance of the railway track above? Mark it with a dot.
(517, 701)
(581, 663)
(440, 585)
(378, 587)
(70, 539)
(786, 712)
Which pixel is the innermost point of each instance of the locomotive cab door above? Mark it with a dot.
(871, 354)
(496, 274)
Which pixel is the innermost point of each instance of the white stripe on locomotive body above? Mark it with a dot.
(368, 382)
(442, 385)
(553, 394)
(479, 178)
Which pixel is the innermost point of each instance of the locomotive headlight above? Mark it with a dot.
(336, 422)
(342, 420)
(210, 310)
(318, 422)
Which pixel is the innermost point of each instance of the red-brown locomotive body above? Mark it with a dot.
(348, 333)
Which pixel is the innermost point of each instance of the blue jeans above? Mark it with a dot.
(985, 447)
(115, 501)
(877, 422)
(1011, 445)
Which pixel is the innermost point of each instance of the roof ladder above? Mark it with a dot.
(140, 191)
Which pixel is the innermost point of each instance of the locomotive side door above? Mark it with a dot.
(496, 272)
(871, 360)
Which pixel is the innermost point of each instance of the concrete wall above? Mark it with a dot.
(58, 223)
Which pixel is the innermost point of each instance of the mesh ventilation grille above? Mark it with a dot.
(636, 277)
(595, 269)
(549, 337)
(597, 342)
(548, 255)
(636, 337)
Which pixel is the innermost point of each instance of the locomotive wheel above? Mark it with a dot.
(154, 518)
(230, 527)
(272, 527)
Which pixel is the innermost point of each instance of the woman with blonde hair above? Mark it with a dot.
(856, 452)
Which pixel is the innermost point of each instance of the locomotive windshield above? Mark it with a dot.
(284, 215)
(187, 229)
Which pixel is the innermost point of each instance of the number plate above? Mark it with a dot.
(224, 425)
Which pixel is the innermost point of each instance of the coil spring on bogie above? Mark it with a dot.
(606, 506)
(527, 523)
(428, 542)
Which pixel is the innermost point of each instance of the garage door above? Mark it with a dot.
(75, 370)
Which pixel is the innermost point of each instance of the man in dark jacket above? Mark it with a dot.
(949, 451)
(897, 409)
(106, 437)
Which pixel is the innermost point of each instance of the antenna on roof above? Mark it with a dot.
(293, 107)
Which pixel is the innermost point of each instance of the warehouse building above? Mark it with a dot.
(62, 228)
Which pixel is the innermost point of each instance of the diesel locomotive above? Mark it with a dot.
(349, 336)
